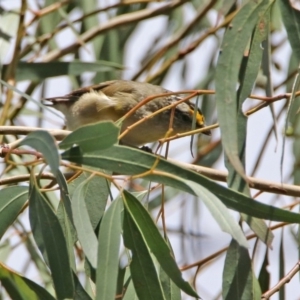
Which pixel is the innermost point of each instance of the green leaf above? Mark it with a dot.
(85, 231)
(234, 43)
(281, 266)
(12, 201)
(44, 142)
(237, 274)
(92, 22)
(21, 288)
(108, 252)
(122, 283)
(220, 213)
(69, 232)
(50, 239)
(96, 194)
(38, 71)
(130, 161)
(130, 293)
(154, 241)
(291, 20)
(142, 268)
(8, 31)
(80, 292)
(92, 137)
(170, 289)
(65, 196)
(264, 275)
(256, 288)
(248, 74)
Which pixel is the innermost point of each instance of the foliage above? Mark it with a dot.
(82, 207)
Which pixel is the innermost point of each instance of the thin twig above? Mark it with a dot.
(118, 21)
(207, 259)
(59, 134)
(282, 282)
(25, 178)
(176, 39)
(182, 53)
(255, 183)
(12, 66)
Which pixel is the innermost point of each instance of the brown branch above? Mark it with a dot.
(176, 39)
(267, 186)
(23, 130)
(12, 66)
(6, 150)
(43, 39)
(182, 53)
(201, 262)
(113, 23)
(46, 10)
(25, 177)
(255, 183)
(282, 282)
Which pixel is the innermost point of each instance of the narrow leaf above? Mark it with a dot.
(264, 275)
(43, 142)
(155, 242)
(291, 20)
(41, 70)
(21, 288)
(108, 252)
(234, 44)
(92, 137)
(12, 201)
(129, 161)
(220, 213)
(142, 268)
(237, 273)
(50, 239)
(96, 194)
(85, 231)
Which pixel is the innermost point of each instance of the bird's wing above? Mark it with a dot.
(76, 94)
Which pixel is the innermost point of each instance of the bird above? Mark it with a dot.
(111, 100)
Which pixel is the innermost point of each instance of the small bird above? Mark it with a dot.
(111, 100)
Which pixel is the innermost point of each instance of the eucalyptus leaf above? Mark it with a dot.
(12, 201)
(130, 161)
(109, 240)
(154, 241)
(38, 71)
(92, 137)
(50, 239)
(21, 288)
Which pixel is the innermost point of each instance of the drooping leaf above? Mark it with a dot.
(237, 274)
(154, 241)
(109, 240)
(50, 239)
(96, 194)
(291, 19)
(85, 231)
(41, 70)
(234, 44)
(264, 275)
(92, 137)
(12, 201)
(129, 161)
(142, 268)
(43, 142)
(21, 288)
